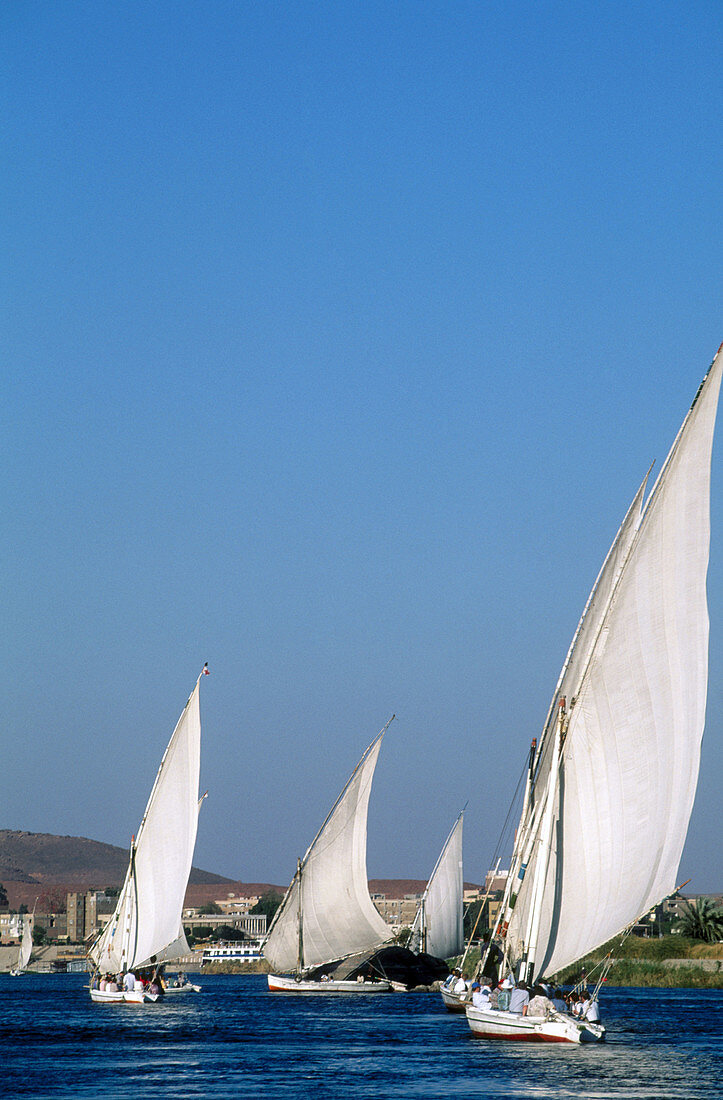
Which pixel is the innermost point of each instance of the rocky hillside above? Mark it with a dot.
(44, 859)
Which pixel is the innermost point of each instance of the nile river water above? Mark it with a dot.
(237, 1040)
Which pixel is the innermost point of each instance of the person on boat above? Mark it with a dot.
(129, 981)
(102, 983)
(449, 981)
(501, 995)
(493, 961)
(460, 986)
(590, 1009)
(540, 1004)
(558, 1001)
(95, 982)
(111, 986)
(481, 996)
(519, 999)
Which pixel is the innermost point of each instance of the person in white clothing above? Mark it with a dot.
(460, 985)
(481, 996)
(129, 982)
(590, 1010)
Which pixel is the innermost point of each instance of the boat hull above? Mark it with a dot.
(283, 983)
(454, 1002)
(104, 997)
(122, 996)
(512, 1027)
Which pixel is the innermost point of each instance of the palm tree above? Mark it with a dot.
(701, 920)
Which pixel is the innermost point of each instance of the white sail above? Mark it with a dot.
(438, 924)
(26, 943)
(636, 696)
(330, 892)
(588, 627)
(146, 924)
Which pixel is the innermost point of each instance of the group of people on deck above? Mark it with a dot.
(150, 981)
(521, 999)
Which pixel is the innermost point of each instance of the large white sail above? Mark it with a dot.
(578, 655)
(636, 697)
(146, 924)
(26, 943)
(330, 892)
(438, 925)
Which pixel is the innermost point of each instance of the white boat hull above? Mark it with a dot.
(103, 997)
(454, 1002)
(559, 1028)
(283, 983)
(189, 987)
(122, 996)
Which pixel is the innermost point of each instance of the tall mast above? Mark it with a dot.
(545, 841)
(131, 896)
(300, 919)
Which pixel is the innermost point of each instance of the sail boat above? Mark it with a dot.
(327, 914)
(437, 928)
(610, 789)
(145, 929)
(26, 945)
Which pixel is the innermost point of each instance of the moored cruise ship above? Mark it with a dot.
(243, 951)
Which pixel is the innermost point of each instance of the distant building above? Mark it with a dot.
(233, 904)
(87, 913)
(252, 925)
(81, 916)
(495, 881)
(397, 912)
(11, 928)
(661, 919)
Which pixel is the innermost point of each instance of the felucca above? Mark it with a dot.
(145, 930)
(26, 946)
(610, 787)
(437, 928)
(327, 914)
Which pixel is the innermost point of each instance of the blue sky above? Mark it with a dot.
(337, 339)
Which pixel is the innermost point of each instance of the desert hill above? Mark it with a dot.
(44, 860)
(42, 866)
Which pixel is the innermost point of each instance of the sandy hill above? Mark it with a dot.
(42, 859)
(400, 887)
(41, 866)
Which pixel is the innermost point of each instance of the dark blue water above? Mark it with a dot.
(236, 1039)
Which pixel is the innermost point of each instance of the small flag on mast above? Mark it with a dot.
(205, 670)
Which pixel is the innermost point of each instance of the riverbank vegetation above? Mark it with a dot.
(235, 966)
(668, 961)
(661, 961)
